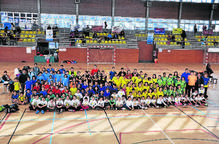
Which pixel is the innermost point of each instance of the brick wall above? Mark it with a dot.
(181, 56)
(16, 54)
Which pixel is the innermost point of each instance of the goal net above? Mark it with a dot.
(101, 55)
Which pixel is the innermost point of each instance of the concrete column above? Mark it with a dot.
(77, 12)
(180, 14)
(211, 14)
(39, 12)
(147, 11)
(113, 11)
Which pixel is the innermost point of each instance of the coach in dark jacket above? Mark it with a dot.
(23, 79)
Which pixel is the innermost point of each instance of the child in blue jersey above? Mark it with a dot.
(84, 86)
(28, 84)
(112, 73)
(57, 77)
(40, 77)
(50, 79)
(101, 88)
(61, 69)
(49, 69)
(14, 97)
(106, 94)
(46, 75)
(65, 81)
(28, 95)
(33, 80)
(43, 91)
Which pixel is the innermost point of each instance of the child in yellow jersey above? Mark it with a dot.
(134, 78)
(138, 80)
(22, 99)
(73, 90)
(128, 89)
(146, 87)
(145, 80)
(117, 81)
(154, 78)
(150, 81)
(123, 82)
(155, 93)
(150, 93)
(17, 85)
(115, 78)
(139, 94)
(144, 93)
(160, 92)
(134, 93)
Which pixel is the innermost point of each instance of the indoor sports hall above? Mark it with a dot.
(159, 58)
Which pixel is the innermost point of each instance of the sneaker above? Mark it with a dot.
(165, 106)
(116, 108)
(190, 104)
(37, 112)
(73, 110)
(157, 106)
(81, 109)
(61, 110)
(42, 111)
(47, 110)
(206, 104)
(185, 104)
(196, 105)
(123, 108)
(145, 108)
(70, 110)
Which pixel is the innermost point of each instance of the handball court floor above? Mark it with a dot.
(177, 125)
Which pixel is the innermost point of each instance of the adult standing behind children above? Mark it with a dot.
(23, 79)
(191, 82)
(185, 75)
(36, 69)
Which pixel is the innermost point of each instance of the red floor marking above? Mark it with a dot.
(120, 134)
(5, 121)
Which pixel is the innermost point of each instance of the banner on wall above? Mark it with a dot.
(159, 30)
(117, 29)
(49, 35)
(97, 28)
(150, 38)
(208, 32)
(177, 31)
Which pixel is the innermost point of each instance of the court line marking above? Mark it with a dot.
(120, 116)
(54, 115)
(212, 103)
(120, 134)
(61, 133)
(16, 126)
(158, 127)
(3, 118)
(193, 139)
(56, 132)
(198, 123)
(87, 120)
(204, 113)
(5, 121)
(112, 127)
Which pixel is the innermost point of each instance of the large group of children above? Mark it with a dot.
(69, 90)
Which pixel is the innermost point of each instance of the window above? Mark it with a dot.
(63, 21)
(19, 19)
